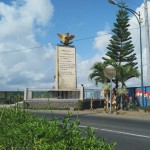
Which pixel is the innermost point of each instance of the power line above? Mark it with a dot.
(24, 49)
(36, 47)
(86, 38)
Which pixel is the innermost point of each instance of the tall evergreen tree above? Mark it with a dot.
(121, 49)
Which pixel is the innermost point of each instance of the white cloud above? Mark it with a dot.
(101, 41)
(35, 68)
(19, 24)
(83, 71)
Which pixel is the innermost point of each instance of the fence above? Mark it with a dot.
(52, 98)
(10, 97)
(39, 94)
(59, 98)
(51, 94)
(62, 98)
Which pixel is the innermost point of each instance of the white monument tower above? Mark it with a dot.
(66, 74)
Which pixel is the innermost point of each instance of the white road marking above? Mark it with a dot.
(119, 132)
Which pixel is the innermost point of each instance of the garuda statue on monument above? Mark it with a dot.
(66, 38)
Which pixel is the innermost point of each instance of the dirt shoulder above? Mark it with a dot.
(100, 112)
(126, 114)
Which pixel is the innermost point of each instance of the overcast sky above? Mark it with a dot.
(28, 38)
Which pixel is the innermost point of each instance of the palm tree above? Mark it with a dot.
(120, 92)
(97, 73)
(125, 73)
(106, 93)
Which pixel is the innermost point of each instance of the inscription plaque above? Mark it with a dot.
(66, 67)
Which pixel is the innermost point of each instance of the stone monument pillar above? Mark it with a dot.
(66, 74)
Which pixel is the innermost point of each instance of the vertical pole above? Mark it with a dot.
(26, 94)
(82, 92)
(147, 37)
(141, 55)
(91, 103)
(25, 97)
(107, 100)
(110, 95)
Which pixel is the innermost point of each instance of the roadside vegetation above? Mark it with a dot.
(146, 109)
(120, 54)
(22, 130)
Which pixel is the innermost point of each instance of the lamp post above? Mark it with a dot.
(138, 17)
(110, 72)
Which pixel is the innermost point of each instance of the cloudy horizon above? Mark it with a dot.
(28, 51)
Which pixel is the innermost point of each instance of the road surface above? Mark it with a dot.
(129, 134)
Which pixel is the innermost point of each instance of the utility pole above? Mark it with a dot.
(147, 42)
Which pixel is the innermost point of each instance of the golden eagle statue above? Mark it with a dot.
(66, 38)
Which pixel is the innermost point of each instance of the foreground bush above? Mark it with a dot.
(20, 130)
(146, 108)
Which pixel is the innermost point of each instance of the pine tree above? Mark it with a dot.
(121, 49)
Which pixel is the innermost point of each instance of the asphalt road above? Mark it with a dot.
(129, 134)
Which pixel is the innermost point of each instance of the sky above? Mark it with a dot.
(28, 39)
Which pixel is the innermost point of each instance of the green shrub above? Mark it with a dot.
(80, 105)
(133, 106)
(146, 109)
(22, 130)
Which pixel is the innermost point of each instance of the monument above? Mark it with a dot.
(66, 74)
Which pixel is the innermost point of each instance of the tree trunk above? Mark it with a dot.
(116, 84)
(107, 100)
(121, 103)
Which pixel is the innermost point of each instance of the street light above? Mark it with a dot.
(138, 17)
(110, 72)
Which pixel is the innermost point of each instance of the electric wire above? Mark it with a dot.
(47, 45)
(25, 49)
